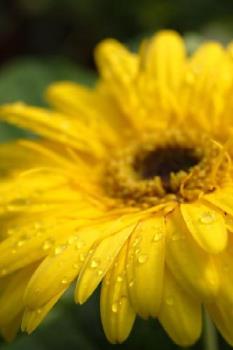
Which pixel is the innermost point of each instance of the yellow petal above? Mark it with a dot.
(224, 262)
(222, 199)
(11, 297)
(53, 126)
(221, 314)
(87, 105)
(61, 267)
(98, 263)
(180, 313)
(32, 318)
(206, 225)
(204, 86)
(193, 268)
(163, 57)
(117, 314)
(115, 62)
(146, 265)
(10, 330)
(32, 241)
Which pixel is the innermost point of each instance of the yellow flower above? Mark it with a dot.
(130, 186)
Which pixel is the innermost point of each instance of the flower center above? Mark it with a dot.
(172, 166)
(165, 161)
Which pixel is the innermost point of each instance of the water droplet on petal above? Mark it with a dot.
(142, 258)
(119, 278)
(64, 281)
(22, 241)
(59, 249)
(94, 263)
(207, 218)
(157, 236)
(100, 272)
(38, 311)
(136, 241)
(47, 244)
(114, 307)
(131, 283)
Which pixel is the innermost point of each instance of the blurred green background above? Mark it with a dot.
(46, 40)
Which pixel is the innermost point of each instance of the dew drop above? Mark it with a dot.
(119, 278)
(142, 258)
(157, 237)
(100, 272)
(114, 307)
(136, 241)
(59, 249)
(131, 283)
(21, 242)
(94, 264)
(47, 244)
(38, 311)
(207, 218)
(64, 281)
(75, 266)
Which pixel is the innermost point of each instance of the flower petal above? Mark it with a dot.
(11, 297)
(180, 313)
(116, 64)
(193, 268)
(10, 330)
(206, 225)
(63, 264)
(222, 199)
(221, 313)
(163, 57)
(146, 265)
(32, 318)
(98, 263)
(117, 314)
(53, 126)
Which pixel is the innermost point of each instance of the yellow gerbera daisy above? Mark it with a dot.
(131, 187)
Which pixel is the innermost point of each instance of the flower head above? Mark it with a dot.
(130, 186)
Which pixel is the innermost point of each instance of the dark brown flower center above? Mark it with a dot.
(163, 162)
(175, 166)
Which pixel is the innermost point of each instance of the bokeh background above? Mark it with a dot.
(46, 40)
